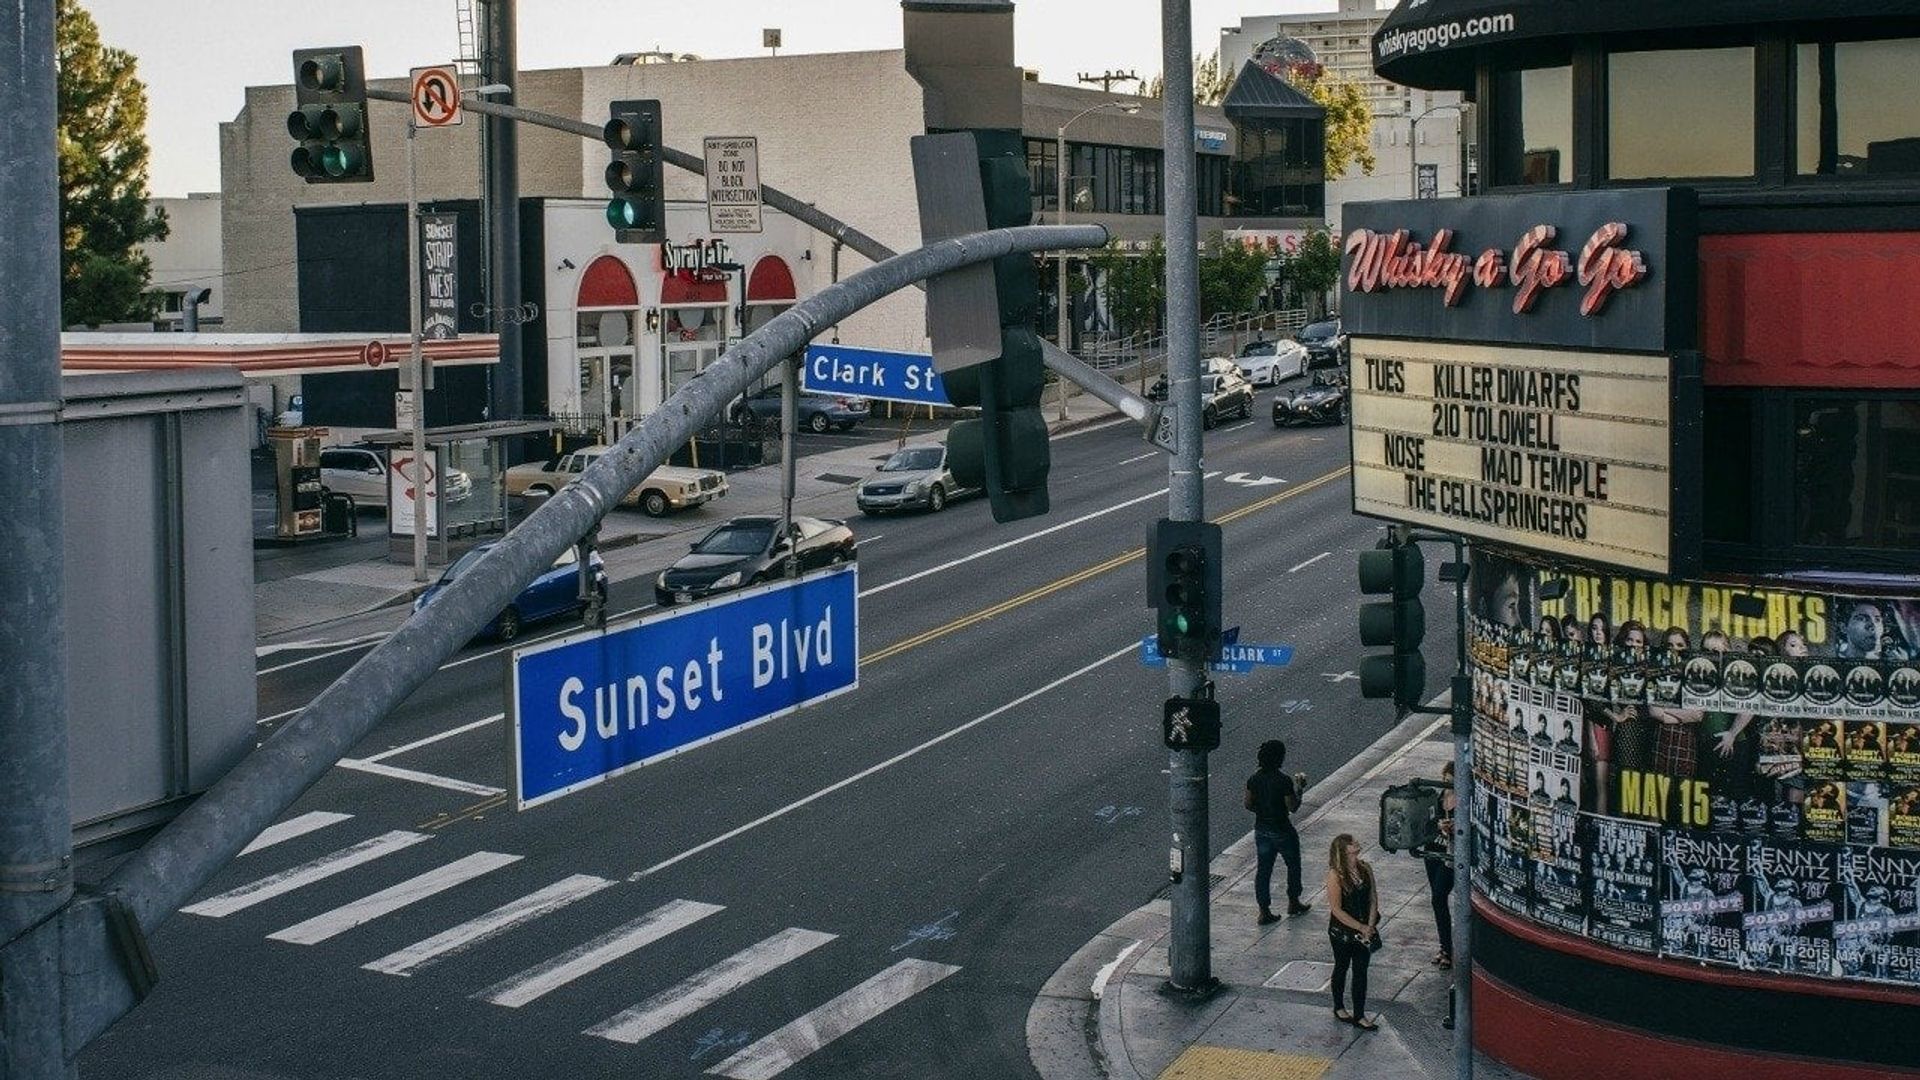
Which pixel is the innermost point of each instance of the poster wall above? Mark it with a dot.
(1706, 772)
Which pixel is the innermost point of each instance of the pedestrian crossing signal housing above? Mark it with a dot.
(1399, 622)
(636, 175)
(1191, 724)
(332, 143)
(1184, 564)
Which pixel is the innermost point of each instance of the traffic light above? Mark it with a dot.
(329, 121)
(1397, 572)
(1183, 582)
(638, 210)
(1005, 451)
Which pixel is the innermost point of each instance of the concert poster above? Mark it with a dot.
(1821, 748)
(1903, 816)
(1878, 935)
(1823, 817)
(1703, 904)
(1864, 756)
(1867, 814)
(1903, 752)
(1510, 883)
(1559, 899)
(1621, 860)
(1480, 866)
(1793, 893)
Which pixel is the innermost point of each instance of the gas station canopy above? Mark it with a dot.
(262, 356)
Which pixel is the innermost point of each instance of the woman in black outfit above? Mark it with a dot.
(1352, 927)
(1440, 873)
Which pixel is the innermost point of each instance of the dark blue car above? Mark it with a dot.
(552, 594)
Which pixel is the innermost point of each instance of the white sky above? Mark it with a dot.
(197, 57)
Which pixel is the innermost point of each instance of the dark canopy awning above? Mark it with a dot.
(1430, 43)
(1259, 94)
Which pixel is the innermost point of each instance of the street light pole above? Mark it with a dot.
(1413, 148)
(1060, 218)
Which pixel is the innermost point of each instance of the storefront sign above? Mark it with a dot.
(699, 260)
(1593, 270)
(733, 183)
(439, 278)
(1570, 452)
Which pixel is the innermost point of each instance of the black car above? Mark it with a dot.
(1223, 396)
(1326, 343)
(1323, 402)
(747, 551)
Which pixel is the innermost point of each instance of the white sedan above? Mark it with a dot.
(1265, 363)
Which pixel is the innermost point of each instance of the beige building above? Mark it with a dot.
(189, 258)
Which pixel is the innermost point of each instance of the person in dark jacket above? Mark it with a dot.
(1274, 797)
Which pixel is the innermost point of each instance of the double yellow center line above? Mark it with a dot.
(1086, 574)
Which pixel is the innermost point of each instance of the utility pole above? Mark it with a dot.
(36, 823)
(500, 56)
(1107, 79)
(1189, 947)
(416, 371)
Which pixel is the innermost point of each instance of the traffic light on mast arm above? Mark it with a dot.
(1397, 572)
(638, 209)
(329, 120)
(1184, 564)
(1005, 451)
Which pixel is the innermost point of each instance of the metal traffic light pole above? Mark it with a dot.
(1189, 949)
(416, 370)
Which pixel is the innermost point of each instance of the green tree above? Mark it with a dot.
(1314, 269)
(1349, 120)
(1209, 85)
(102, 140)
(1232, 276)
(1134, 283)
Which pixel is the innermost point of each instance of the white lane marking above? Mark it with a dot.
(1249, 480)
(889, 763)
(869, 540)
(265, 720)
(772, 1055)
(1091, 428)
(430, 739)
(458, 939)
(292, 827)
(418, 777)
(286, 881)
(329, 924)
(1234, 427)
(698, 991)
(346, 648)
(1139, 457)
(375, 639)
(1302, 566)
(583, 959)
(301, 646)
(984, 552)
(1101, 977)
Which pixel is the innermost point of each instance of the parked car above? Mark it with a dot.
(915, 477)
(1222, 396)
(552, 594)
(1322, 402)
(816, 412)
(361, 471)
(747, 551)
(1326, 343)
(1212, 365)
(1265, 363)
(666, 489)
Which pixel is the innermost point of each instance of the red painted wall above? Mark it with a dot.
(1811, 309)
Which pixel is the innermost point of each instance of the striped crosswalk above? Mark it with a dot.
(420, 890)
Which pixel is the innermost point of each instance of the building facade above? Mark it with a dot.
(1661, 381)
(188, 259)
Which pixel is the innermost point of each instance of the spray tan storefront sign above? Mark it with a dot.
(1569, 452)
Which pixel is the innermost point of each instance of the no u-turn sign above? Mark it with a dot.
(436, 96)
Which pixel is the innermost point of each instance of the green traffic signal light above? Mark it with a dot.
(329, 118)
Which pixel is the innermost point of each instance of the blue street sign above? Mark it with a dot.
(1234, 659)
(871, 373)
(590, 706)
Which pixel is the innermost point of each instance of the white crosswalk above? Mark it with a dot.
(769, 1057)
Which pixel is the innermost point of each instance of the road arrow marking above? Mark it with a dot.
(1246, 480)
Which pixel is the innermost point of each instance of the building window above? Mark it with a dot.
(1042, 159)
(1279, 169)
(1856, 473)
(1680, 113)
(1533, 142)
(1210, 178)
(1858, 115)
(1726, 497)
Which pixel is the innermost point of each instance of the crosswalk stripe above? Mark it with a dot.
(494, 923)
(305, 874)
(583, 959)
(292, 827)
(772, 1055)
(697, 992)
(329, 924)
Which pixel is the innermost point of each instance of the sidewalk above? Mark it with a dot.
(1105, 1016)
(822, 485)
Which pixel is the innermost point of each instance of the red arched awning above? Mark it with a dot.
(677, 289)
(608, 284)
(771, 282)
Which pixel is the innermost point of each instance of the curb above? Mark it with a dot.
(1074, 1034)
(1066, 427)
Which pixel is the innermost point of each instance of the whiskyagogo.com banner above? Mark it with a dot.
(1706, 772)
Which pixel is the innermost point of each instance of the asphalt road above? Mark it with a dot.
(874, 887)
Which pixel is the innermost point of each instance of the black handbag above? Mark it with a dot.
(1351, 938)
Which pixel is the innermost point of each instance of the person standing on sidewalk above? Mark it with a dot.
(1274, 797)
(1353, 926)
(1439, 856)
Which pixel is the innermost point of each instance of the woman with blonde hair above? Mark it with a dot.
(1352, 926)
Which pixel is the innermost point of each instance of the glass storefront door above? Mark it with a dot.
(609, 393)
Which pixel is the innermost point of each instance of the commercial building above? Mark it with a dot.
(609, 329)
(188, 259)
(1663, 381)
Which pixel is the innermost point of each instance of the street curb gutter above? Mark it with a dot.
(1072, 1034)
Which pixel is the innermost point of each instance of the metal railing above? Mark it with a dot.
(1137, 356)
